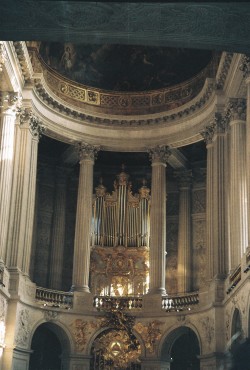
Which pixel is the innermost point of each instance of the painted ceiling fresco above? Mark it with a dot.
(124, 67)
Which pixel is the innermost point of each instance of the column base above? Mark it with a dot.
(152, 303)
(83, 289)
(161, 291)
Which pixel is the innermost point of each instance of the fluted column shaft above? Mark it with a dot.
(208, 137)
(24, 187)
(157, 251)
(8, 109)
(184, 232)
(245, 67)
(81, 261)
(238, 189)
(58, 231)
(220, 184)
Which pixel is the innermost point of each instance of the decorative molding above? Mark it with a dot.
(62, 108)
(151, 333)
(245, 66)
(24, 60)
(208, 134)
(23, 328)
(3, 56)
(223, 71)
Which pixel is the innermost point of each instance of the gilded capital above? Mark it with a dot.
(3, 56)
(236, 109)
(87, 151)
(245, 65)
(159, 154)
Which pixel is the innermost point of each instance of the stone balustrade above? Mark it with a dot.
(54, 298)
(180, 302)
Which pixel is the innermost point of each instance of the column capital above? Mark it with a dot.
(236, 109)
(220, 123)
(184, 178)
(245, 65)
(87, 152)
(36, 127)
(159, 154)
(208, 134)
(3, 56)
(10, 102)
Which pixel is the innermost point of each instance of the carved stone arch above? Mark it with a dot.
(236, 324)
(170, 338)
(60, 330)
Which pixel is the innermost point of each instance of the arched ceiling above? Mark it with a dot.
(210, 25)
(124, 67)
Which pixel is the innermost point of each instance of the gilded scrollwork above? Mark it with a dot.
(150, 333)
(81, 331)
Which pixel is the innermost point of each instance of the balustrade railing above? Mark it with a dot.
(180, 302)
(54, 298)
(118, 303)
(234, 279)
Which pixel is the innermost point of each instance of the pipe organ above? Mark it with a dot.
(120, 239)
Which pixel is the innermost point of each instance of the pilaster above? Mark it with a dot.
(58, 230)
(184, 178)
(238, 180)
(157, 251)
(9, 108)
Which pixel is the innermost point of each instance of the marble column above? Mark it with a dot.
(245, 67)
(208, 134)
(184, 178)
(81, 261)
(9, 106)
(23, 192)
(58, 230)
(238, 181)
(157, 249)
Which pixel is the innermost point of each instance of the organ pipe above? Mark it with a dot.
(121, 218)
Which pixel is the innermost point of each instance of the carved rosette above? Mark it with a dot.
(245, 65)
(36, 127)
(3, 56)
(159, 154)
(87, 152)
(10, 102)
(236, 109)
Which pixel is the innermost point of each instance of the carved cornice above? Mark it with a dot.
(194, 106)
(245, 65)
(87, 151)
(236, 109)
(24, 60)
(159, 154)
(35, 126)
(3, 56)
(223, 73)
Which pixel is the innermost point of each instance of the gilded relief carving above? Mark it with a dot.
(150, 333)
(81, 331)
